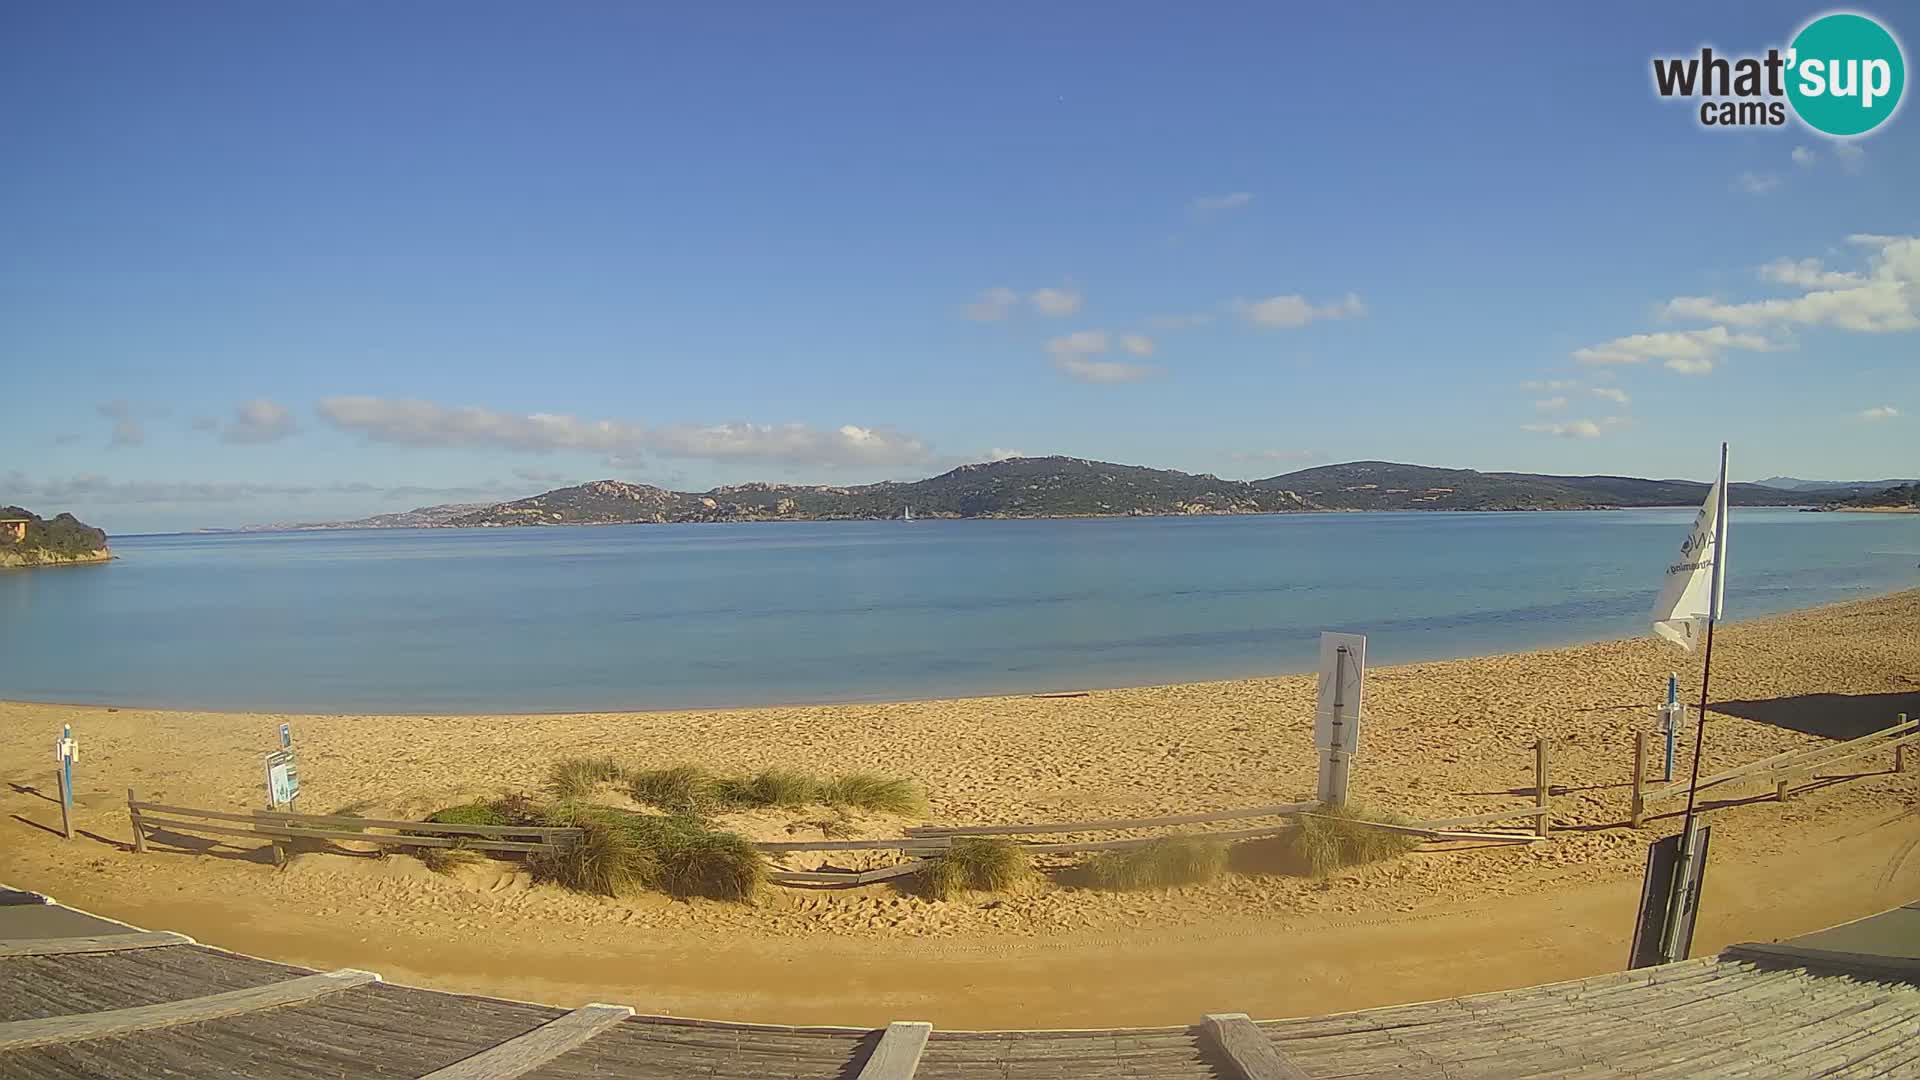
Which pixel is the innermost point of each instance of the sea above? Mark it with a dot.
(714, 615)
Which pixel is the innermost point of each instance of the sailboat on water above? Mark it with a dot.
(908, 516)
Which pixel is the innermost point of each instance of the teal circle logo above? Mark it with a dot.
(1845, 74)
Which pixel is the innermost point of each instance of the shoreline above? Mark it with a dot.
(887, 701)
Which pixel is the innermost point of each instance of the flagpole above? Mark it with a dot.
(1706, 670)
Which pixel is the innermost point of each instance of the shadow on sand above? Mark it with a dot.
(1833, 716)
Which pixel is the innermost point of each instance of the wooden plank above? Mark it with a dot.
(525, 1053)
(923, 843)
(19, 1034)
(1112, 824)
(348, 821)
(845, 877)
(98, 943)
(1247, 1048)
(1481, 819)
(139, 832)
(267, 832)
(1637, 808)
(1901, 968)
(897, 1055)
(1542, 788)
(1143, 841)
(1905, 732)
(1431, 834)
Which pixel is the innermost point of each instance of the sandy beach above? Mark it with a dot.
(1440, 739)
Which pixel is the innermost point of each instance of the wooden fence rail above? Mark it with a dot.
(281, 829)
(1782, 770)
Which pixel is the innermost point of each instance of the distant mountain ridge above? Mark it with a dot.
(1040, 487)
(420, 517)
(1076, 487)
(1833, 487)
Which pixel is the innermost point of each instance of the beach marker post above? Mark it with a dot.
(1900, 751)
(1337, 711)
(1670, 721)
(65, 750)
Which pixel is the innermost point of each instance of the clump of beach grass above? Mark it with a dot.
(576, 777)
(479, 813)
(871, 791)
(620, 852)
(977, 864)
(696, 789)
(445, 860)
(1336, 837)
(1163, 863)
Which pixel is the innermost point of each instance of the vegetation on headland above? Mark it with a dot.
(1904, 497)
(51, 541)
(1073, 487)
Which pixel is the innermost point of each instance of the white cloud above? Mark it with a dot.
(1105, 371)
(1688, 351)
(1572, 429)
(541, 476)
(1001, 453)
(1055, 302)
(95, 489)
(1613, 394)
(1803, 157)
(428, 424)
(1885, 298)
(1549, 386)
(1137, 344)
(1294, 310)
(1179, 322)
(1073, 355)
(1552, 404)
(1879, 412)
(993, 304)
(1809, 274)
(1851, 156)
(258, 421)
(127, 429)
(1231, 201)
(1756, 183)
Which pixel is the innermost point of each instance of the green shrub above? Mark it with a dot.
(778, 787)
(1335, 837)
(1163, 863)
(977, 863)
(574, 777)
(681, 789)
(620, 852)
(868, 791)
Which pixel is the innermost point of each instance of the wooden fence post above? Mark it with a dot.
(1543, 825)
(139, 830)
(1900, 752)
(1781, 781)
(66, 800)
(1637, 813)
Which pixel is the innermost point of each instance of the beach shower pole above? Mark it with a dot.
(1672, 720)
(1336, 753)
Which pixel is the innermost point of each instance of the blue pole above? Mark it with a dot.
(1673, 715)
(66, 759)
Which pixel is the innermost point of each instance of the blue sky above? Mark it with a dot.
(271, 262)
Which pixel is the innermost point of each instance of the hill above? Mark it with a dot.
(1828, 489)
(1903, 497)
(420, 517)
(1015, 487)
(1386, 485)
(50, 542)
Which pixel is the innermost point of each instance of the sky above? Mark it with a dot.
(309, 261)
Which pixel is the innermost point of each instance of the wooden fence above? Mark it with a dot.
(1784, 771)
(281, 829)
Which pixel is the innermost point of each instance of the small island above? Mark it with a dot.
(27, 539)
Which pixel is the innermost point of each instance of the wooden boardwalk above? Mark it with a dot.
(167, 1007)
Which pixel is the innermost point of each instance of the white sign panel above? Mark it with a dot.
(1342, 678)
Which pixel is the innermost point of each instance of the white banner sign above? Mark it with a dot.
(1343, 676)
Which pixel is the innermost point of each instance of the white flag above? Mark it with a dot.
(1696, 582)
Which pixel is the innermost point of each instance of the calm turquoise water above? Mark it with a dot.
(675, 615)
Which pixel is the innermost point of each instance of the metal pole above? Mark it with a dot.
(1673, 721)
(1336, 755)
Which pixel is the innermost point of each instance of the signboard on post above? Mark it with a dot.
(65, 752)
(283, 780)
(1336, 716)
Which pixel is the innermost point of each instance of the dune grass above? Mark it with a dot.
(486, 813)
(695, 789)
(976, 864)
(1164, 863)
(1335, 837)
(620, 852)
(577, 777)
(443, 860)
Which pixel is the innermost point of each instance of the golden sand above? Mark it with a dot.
(1440, 739)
